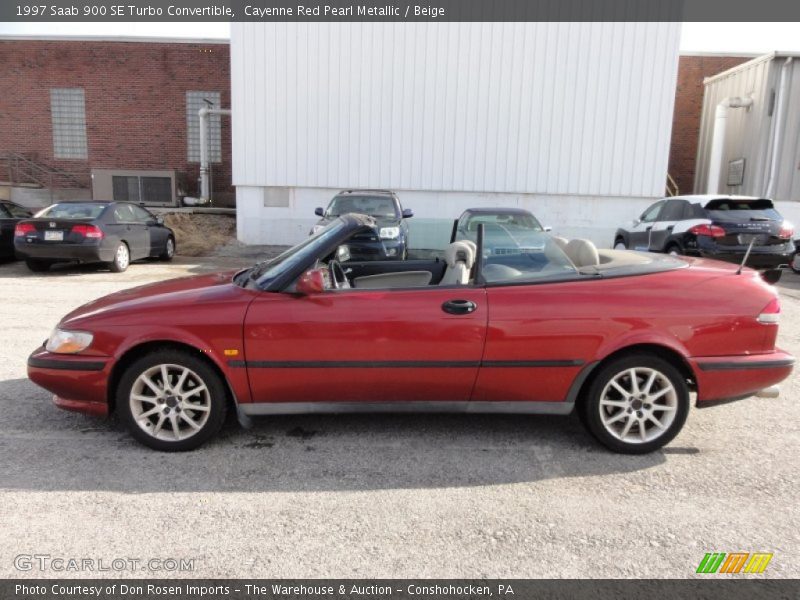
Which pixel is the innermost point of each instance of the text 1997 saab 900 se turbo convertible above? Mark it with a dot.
(622, 337)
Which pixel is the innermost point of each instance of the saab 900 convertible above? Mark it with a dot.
(626, 339)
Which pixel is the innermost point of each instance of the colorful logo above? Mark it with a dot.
(734, 562)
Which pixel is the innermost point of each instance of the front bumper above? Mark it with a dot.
(79, 383)
(86, 252)
(724, 378)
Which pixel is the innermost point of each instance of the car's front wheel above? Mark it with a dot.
(169, 250)
(171, 400)
(619, 244)
(636, 404)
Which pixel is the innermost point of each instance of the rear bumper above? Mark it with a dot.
(86, 252)
(756, 260)
(79, 383)
(721, 378)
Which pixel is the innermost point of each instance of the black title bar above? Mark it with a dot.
(31, 11)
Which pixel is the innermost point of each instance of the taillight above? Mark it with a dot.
(786, 232)
(771, 313)
(713, 231)
(88, 231)
(23, 229)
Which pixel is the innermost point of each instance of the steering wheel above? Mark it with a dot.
(338, 278)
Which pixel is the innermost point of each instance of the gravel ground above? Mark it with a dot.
(383, 496)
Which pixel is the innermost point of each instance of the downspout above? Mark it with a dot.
(718, 139)
(203, 113)
(780, 116)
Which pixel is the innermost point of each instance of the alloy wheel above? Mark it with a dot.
(170, 402)
(122, 257)
(638, 405)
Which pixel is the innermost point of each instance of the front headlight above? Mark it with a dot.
(390, 233)
(68, 342)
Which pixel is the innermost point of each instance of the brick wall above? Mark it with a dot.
(688, 108)
(135, 102)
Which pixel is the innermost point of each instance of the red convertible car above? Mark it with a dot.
(626, 339)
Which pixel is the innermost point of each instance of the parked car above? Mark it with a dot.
(621, 337)
(504, 229)
(10, 215)
(389, 238)
(713, 226)
(114, 233)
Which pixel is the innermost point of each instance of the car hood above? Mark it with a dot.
(162, 296)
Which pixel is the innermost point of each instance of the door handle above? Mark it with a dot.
(459, 307)
(648, 228)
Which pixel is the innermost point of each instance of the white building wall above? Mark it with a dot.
(538, 111)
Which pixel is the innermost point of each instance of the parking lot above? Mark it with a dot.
(386, 495)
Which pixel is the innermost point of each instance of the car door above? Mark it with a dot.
(155, 233)
(639, 237)
(7, 223)
(671, 213)
(133, 231)
(391, 345)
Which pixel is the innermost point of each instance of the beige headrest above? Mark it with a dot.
(460, 252)
(582, 253)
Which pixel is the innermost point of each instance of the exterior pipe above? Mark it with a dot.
(203, 113)
(718, 139)
(780, 117)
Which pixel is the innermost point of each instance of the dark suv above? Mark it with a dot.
(713, 226)
(389, 239)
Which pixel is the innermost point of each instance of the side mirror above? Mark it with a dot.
(548, 229)
(407, 213)
(311, 282)
(319, 211)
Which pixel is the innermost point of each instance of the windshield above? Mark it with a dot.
(72, 210)
(509, 221)
(374, 206)
(266, 272)
(534, 256)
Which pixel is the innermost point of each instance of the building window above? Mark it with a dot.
(194, 102)
(68, 112)
(150, 190)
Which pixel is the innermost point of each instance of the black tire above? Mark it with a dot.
(637, 413)
(620, 240)
(119, 264)
(169, 250)
(37, 265)
(674, 248)
(794, 264)
(172, 405)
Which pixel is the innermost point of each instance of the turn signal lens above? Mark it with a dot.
(88, 231)
(68, 342)
(709, 230)
(23, 229)
(771, 313)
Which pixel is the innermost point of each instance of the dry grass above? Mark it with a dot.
(200, 235)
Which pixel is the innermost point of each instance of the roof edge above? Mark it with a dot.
(749, 64)
(102, 38)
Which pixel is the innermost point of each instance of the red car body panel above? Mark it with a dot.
(523, 343)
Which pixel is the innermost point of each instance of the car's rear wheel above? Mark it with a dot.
(171, 400)
(794, 265)
(636, 404)
(122, 258)
(619, 244)
(169, 250)
(37, 265)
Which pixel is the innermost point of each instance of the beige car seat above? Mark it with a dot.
(582, 253)
(459, 256)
